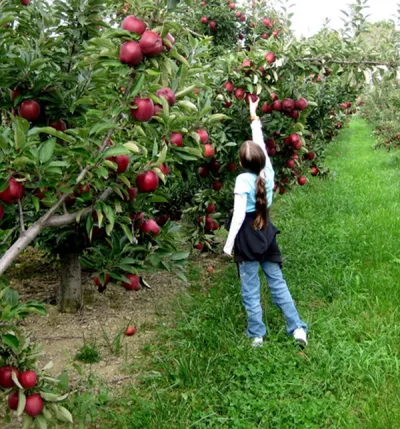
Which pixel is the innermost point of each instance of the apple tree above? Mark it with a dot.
(97, 118)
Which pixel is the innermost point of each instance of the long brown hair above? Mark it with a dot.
(252, 158)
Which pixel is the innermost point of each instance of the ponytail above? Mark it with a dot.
(261, 220)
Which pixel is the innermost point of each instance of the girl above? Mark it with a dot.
(252, 235)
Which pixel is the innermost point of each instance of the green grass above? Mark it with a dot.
(341, 240)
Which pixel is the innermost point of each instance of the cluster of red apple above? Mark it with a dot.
(133, 282)
(26, 380)
(207, 221)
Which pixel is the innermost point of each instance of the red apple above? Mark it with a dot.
(130, 330)
(217, 185)
(168, 94)
(34, 405)
(5, 376)
(297, 146)
(229, 86)
(270, 57)
(232, 6)
(238, 14)
(267, 22)
(288, 105)
(277, 105)
(213, 25)
(204, 20)
(14, 93)
(132, 194)
(150, 226)
(13, 399)
(122, 162)
(240, 93)
(134, 282)
(199, 246)
(157, 109)
(98, 283)
(176, 139)
(25, 2)
(227, 104)
(215, 166)
(274, 96)
(203, 134)
(144, 109)
(294, 138)
(130, 53)
(138, 219)
(165, 169)
(211, 208)
(13, 192)
(264, 36)
(209, 151)
(27, 379)
(151, 43)
(29, 110)
(134, 25)
(203, 171)
(243, 18)
(275, 33)
(147, 181)
(314, 171)
(266, 108)
(60, 125)
(290, 163)
(231, 166)
(171, 40)
(1, 212)
(302, 180)
(301, 104)
(246, 63)
(203, 3)
(310, 156)
(295, 115)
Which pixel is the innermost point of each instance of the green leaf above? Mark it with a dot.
(11, 341)
(180, 256)
(46, 151)
(20, 128)
(27, 422)
(21, 402)
(52, 132)
(114, 151)
(138, 86)
(67, 415)
(11, 296)
(102, 127)
(41, 422)
(128, 232)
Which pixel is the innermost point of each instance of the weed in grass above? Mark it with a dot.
(88, 353)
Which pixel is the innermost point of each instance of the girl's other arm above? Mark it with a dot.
(239, 214)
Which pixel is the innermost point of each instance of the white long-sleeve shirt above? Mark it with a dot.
(245, 190)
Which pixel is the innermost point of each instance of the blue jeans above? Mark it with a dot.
(279, 292)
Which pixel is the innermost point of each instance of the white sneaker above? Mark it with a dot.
(257, 342)
(300, 335)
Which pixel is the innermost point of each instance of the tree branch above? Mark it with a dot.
(69, 218)
(21, 216)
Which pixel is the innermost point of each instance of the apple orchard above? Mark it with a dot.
(120, 128)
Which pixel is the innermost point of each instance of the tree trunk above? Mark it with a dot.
(70, 292)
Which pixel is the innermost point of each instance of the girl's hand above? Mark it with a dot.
(253, 106)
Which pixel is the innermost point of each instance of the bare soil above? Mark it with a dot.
(62, 335)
